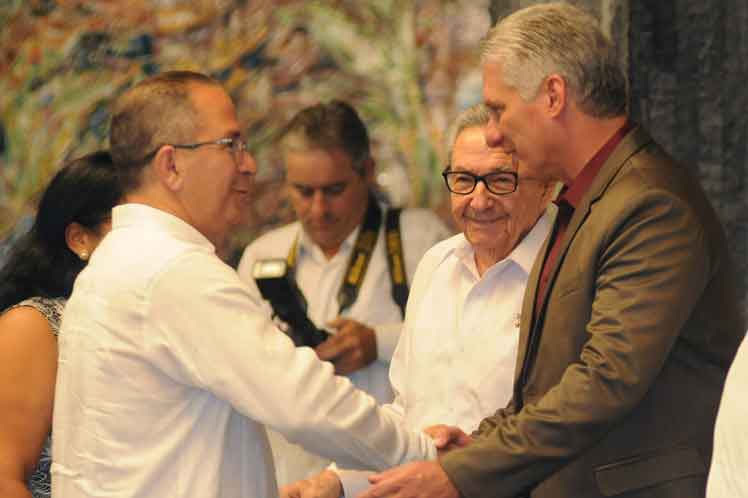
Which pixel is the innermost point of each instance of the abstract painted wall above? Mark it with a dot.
(408, 66)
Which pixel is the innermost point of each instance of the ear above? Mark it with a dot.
(555, 94)
(78, 240)
(166, 169)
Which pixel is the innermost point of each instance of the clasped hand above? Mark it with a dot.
(447, 437)
(418, 479)
(326, 484)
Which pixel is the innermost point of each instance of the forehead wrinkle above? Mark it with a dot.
(488, 163)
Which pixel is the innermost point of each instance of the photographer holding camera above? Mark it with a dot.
(343, 254)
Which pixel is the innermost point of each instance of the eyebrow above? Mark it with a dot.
(232, 133)
(493, 105)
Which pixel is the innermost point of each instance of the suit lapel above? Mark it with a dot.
(529, 327)
(528, 306)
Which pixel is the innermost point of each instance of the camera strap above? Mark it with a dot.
(361, 255)
(396, 260)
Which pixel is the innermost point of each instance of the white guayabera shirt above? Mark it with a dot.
(455, 360)
(167, 371)
(728, 474)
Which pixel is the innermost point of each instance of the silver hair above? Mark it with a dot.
(472, 117)
(558, 38)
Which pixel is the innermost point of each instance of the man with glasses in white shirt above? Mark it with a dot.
(168, 367)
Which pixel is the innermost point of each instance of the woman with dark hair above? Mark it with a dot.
(73, 216)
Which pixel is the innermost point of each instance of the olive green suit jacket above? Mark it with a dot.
(619, 378)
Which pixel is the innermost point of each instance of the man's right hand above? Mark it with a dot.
(447, 437)
(326, 484)
(352, 348)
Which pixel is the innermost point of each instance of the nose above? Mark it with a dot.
(491, 132)
(318, 206)
(481, 198)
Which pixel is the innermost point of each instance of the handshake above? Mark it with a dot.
(417, 479)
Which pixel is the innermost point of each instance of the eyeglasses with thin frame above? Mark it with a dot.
(464, 182)
(237, 145)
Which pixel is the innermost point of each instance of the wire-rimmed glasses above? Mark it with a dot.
(237, 145)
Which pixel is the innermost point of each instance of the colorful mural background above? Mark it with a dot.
(409, 67)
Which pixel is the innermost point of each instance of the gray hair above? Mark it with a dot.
(334, 124)
(559, 38)
(473, 117)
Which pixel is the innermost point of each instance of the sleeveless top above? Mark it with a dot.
(51, 309)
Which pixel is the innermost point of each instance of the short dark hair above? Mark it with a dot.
(330, 125)
(155, 112)
(40, 263)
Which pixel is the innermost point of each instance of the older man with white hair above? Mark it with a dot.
(454, 362)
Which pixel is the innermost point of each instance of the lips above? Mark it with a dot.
(484, 219)
(242, 195)
(242, 188)
(483, 222)
(320, 223)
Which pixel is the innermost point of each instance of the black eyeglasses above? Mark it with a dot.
(237, 145)
(464, 182)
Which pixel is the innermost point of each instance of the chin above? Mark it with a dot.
(318, 233)
(237, 220)
(322, 239)
(491, 230)
(488, 234)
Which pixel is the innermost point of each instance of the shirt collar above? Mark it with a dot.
(463, 251)
(572, 194)
(129, 215)
(527, 250)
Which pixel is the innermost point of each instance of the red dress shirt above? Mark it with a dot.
(567, 202)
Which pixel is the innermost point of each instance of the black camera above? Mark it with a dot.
(279, 288)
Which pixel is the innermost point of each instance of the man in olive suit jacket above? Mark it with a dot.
(630, 318)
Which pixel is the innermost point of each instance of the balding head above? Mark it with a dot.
(154, 112)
